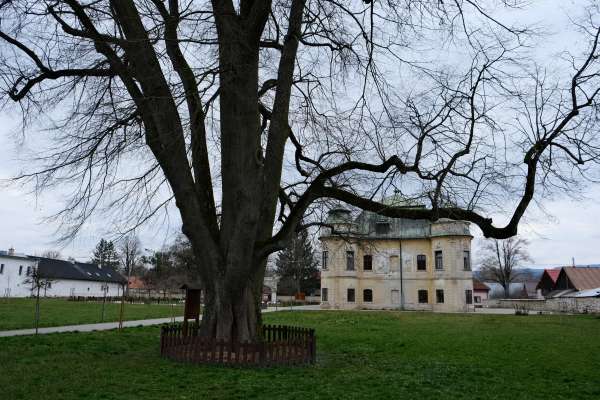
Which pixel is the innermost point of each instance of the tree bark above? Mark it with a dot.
(232, 308)
(232, 295)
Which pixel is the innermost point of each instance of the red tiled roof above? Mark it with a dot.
(583, 277)
(136, 283)
(478, 285)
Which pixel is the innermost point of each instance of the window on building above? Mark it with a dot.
(395, 296)
(20, 270)
(394, 263)
(368, 296)
(439, 260)
(350, 296)
(439, 296)
(469, 296)
(350, 261)
(324, 294)
(368, 262)
(49, 285)
(421, 262)
(467, 260)
(423, 296)
(382, 228)
(325, 256)
(1, 268)
(477, 299)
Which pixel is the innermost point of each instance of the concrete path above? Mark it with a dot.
(126, 324)
(88, 327)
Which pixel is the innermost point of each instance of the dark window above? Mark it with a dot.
(20, 270)
(1, 268)
(477, 299)
(324, 294)
(28, 271)
(368, 262)
(439, 296)
(469, 296)
(467, 260)
(49, 285)
(367, 295)
(350, 296)
(325, 256)
(382, 228)
(423, 296)
(421, 262)
(350, 261)
(439, 260)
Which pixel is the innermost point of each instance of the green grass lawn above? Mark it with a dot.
(377, 355)
(19, 313)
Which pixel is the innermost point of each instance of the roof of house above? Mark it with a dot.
(368, 225)
(560, 293)
(135, 282)
(583, 278)
(553, 273)
(60, 269)
(478, 285)
(586, 293)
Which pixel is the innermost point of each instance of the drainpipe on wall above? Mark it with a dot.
(401, 272)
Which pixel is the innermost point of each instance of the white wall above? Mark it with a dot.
(66, 288)
(12, 284)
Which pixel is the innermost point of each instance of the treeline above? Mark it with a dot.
(164, 269)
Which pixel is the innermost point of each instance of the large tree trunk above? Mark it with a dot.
(233, 294)
(232, 309)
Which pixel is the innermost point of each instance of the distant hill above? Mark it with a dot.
(525, 274)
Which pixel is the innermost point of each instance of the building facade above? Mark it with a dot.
(481, 293)
(65, 278)
(375, 262)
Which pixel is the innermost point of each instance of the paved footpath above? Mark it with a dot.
(126, 324)
(88, 327)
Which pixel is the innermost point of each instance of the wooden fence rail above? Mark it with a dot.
(280, 345)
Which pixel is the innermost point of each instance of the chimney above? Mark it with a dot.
(11, 251)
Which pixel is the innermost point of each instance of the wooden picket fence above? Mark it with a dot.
(280, 345)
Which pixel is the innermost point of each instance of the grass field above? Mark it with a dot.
(19, 313)
(361, 355)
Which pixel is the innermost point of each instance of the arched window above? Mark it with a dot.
(368, 296)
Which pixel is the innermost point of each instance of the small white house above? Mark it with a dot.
(66, 278)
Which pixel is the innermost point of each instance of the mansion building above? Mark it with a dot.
(376, 262)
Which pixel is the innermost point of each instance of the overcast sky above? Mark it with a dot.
(570, 229)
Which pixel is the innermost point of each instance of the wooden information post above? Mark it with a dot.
(192, 306)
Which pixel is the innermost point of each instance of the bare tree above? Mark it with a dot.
(53, 254)
(129, 250)
(501, 259)
(250, 115)
(38, 282)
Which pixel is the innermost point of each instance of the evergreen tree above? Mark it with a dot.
(105, 254)
(296, 266)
